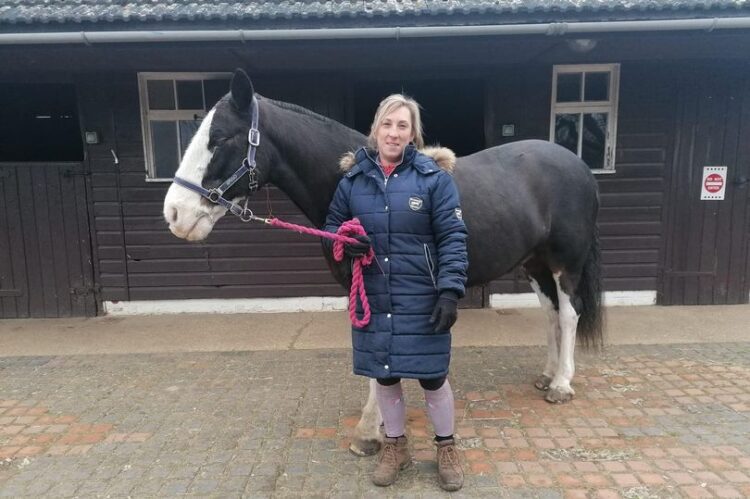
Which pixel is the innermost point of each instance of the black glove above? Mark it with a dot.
(446, 311)
(357, 249)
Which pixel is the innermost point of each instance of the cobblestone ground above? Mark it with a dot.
(648, 421)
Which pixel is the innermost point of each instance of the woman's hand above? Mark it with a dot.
(446, 311)
(361, 248)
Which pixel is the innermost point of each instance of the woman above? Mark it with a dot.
(410, 210)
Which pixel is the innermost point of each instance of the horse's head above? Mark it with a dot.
(216, 151)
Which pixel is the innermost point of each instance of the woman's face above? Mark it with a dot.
(394, 134)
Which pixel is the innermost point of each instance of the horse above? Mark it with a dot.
(529, 203)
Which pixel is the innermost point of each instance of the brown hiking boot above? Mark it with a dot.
(393, 457)
(450, 474)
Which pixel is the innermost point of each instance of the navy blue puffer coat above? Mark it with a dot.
(416, 227)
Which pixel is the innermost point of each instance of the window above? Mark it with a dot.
(172, 107)
(584, 112)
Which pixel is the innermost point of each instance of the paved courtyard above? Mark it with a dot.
(648, 421)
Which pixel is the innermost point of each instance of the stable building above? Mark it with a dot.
(99, 100)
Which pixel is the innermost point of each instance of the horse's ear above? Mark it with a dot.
(241, 90)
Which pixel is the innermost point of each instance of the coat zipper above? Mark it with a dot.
(430, 265)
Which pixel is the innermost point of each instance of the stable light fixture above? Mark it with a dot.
(581, 45)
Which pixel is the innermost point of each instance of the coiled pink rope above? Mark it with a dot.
(343, 236)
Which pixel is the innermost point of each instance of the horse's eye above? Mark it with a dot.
(214, 143)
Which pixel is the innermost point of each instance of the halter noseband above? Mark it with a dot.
(216, 195)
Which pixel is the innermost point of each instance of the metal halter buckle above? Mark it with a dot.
(247, 215)
(253, 137)
(252, 180)
(214, 196)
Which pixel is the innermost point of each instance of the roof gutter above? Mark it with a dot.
(551, 29)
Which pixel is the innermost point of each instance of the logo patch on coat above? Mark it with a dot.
(415, 203)
(459, 214)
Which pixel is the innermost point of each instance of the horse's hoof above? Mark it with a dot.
(557, 396)
(364, 448)
(542, 382)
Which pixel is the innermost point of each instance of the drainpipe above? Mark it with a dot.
(551, 29)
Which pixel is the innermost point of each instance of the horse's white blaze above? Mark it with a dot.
(187, 217)
(568, 324)
(553, 330)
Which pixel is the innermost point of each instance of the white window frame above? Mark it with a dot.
(166, 115)
(609, 106)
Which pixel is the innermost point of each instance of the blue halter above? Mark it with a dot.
(216, 195)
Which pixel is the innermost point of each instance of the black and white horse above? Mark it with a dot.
(530, 203)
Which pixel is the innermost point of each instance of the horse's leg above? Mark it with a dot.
(367, 439)
(545, 288)
(569, 311)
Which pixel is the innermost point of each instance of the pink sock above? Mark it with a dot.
(441, 410)
(392, 408)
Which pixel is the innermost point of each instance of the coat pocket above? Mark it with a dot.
(430, 264)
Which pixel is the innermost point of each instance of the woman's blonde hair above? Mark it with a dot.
(386, 107)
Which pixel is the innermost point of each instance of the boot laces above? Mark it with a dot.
(448, 455)
(389, 454)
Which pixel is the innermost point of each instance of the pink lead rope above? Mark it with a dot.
(342, 236)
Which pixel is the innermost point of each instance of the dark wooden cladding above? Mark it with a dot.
(216, 264)
(45, 251)
(244, 291)
(707, 248)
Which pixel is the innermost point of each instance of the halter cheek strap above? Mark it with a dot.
(216, 195)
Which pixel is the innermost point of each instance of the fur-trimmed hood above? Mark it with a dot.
(444, 157)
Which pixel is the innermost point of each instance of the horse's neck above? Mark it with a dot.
(308, 170)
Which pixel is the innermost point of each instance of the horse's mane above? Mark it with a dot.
(299, 109)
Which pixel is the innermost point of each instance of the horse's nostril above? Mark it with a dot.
(172, 214)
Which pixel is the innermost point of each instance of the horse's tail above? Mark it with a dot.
(591, 321)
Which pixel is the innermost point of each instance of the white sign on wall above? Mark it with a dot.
(714, 183)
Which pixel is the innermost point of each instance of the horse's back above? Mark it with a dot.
(516, 197)
(529, 157)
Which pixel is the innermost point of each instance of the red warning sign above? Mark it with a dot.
(714, 183)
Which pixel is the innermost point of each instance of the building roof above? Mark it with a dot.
(344, 13)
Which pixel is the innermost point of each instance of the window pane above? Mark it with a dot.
(215, 90)
(569, 87)
(594, 139)
(597, 86)
(189, 95)
(164, 143)
(566, 131)
(160, 94)
(187, 130)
